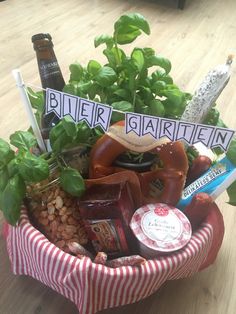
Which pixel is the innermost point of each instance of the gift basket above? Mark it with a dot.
(111, 191)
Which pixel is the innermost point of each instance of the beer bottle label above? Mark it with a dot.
(48, 68)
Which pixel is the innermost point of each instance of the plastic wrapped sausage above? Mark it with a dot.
(79, 250)
(100, 258)
(133, 260)
(198, 209)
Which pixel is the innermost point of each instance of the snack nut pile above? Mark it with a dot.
(56, 214)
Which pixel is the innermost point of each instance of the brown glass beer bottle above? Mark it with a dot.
(50, 75)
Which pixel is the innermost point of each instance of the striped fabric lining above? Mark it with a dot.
(93, 287)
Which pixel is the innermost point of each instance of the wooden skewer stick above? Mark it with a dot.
(25, 98)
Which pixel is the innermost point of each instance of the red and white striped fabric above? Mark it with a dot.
(93, 287)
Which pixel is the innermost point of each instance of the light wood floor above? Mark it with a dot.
(195, 40)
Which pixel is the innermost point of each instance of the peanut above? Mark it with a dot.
(65, 235)
(72, 221)
(44, 214)
(70, 229)
(59, 202)
(64, 218)
(43, 221)
(51, 217)
(62, 211)
(51, 208)
(60, 243)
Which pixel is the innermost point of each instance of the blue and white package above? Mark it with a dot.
(214, 182)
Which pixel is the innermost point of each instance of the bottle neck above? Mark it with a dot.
(49, 70)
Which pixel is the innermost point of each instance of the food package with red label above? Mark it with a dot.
(107, 210)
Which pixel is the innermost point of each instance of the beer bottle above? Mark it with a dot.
(50, 75)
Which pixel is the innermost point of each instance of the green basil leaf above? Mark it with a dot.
(130, 68)
(166, 79)
(12, 167)
(3, 178)
(172, 110)
(231, 191)
(158, 87)
(139, 105)
(122, 106)
(84, 87)
(106, 76)
(12, 198)
(144, 110)
(231, 153)
(23, 140)
(104, 39)
(96, 133)
(71, 88)
(212, 117)
(83, 132)
(127, 35)
(157, 108)
(143, 77)
(138, 59)
(6, 153)
(114, 56)
(148, 52)
(33, 169)
(36, 99)
(77, 89)
(59, 138)
(158, 74)
(123, 93)
(69, 126)
(1, 206)
(159, 61)
(174, 95)
(94, 90)
(146, 94)
(93, 67)
(129, 27)
(72, 181)
(76, 72)
(221, 124)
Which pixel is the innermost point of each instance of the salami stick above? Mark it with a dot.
(100, 258)
(198, 209)
(207, 93)
(78, 249)
(133, 260)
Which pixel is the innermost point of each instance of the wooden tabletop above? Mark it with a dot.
(195, 40)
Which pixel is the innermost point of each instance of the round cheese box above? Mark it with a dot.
(160, 228)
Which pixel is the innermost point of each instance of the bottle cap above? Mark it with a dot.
(41, 36)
